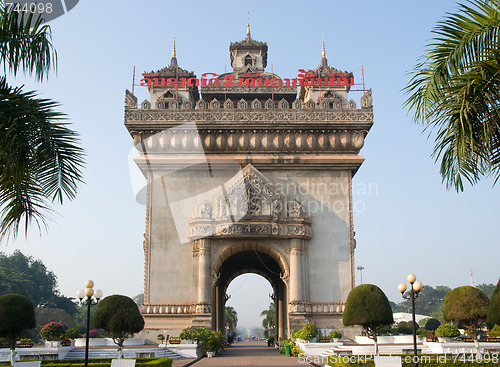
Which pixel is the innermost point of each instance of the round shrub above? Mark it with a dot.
(334, 334)
(432, 324)
(447, 331)
(52, 331)
(309, 331)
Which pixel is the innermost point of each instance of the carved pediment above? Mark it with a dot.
(249, 205)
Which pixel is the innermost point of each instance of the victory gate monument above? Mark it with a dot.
(247, 173)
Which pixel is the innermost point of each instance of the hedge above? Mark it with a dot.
(139, 362)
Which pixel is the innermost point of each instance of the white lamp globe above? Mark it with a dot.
(98, 294)
(80, 294)
(411, 278)
(89, 292)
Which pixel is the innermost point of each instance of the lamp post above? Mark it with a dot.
(415, 288)
(81, 294)
(360, 268)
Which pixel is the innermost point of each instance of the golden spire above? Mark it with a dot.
(173, 50)
(248, 29)
(323, 51)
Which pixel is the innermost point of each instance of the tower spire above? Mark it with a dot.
(173, 50)
(323, 50)
(173, 60)
(324, 61)
(248, 29)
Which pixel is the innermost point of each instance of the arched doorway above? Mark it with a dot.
(251, 261)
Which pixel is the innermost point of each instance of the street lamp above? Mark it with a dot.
(81, 294)
(361, 268)
(415, 288)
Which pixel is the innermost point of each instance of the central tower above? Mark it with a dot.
(245, 176)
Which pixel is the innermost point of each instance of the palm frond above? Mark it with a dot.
(25, 44)
(456, 91)
(40, 158)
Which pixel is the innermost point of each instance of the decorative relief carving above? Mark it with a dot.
(367, 99)
(145, 105)
(130, 100)
(249, 205)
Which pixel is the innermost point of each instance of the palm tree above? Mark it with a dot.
(455, 93)
(40, 160)
(269, 321)
(231, 318)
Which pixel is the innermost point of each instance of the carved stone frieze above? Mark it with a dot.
(305, 307)
(175, 308)
(175, 141)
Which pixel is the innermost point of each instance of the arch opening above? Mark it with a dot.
(256, 262)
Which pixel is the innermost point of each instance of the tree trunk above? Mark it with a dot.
(12, 356)
(476, 344)
(375, 342)
(120, 351)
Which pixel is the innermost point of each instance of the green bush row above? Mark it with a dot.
(140, 362)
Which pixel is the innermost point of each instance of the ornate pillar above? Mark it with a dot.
(202, 250)
(296, 255)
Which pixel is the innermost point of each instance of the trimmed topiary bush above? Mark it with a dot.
(120, 317)
(17, 314)
(494, 308)
(432, 324)
(368, 306)
(468, 306)
(447, 331)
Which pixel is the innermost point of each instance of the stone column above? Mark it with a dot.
(204, 257)
(296, 254)
(280, 306)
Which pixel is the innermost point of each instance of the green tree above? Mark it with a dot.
(139, 299)
(368, 306)
(31, 278)
(120, 317)
(455, 92)
(487, 289)
(230, 318)
(17, 314)
(494, 307)
(469, 306)
(430, 302)
(39, 157)
(269, 321)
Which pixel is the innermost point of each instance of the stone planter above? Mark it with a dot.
(26, 345)
(52, 344)
(445, 339)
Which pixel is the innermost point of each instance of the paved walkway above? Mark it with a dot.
(254, 353)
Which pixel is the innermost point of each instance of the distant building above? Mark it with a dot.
(405, 316)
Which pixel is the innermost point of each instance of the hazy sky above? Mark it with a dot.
(405, 219)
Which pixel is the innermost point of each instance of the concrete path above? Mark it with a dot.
(254, 353)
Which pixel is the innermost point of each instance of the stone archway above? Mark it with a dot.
(251, 261)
